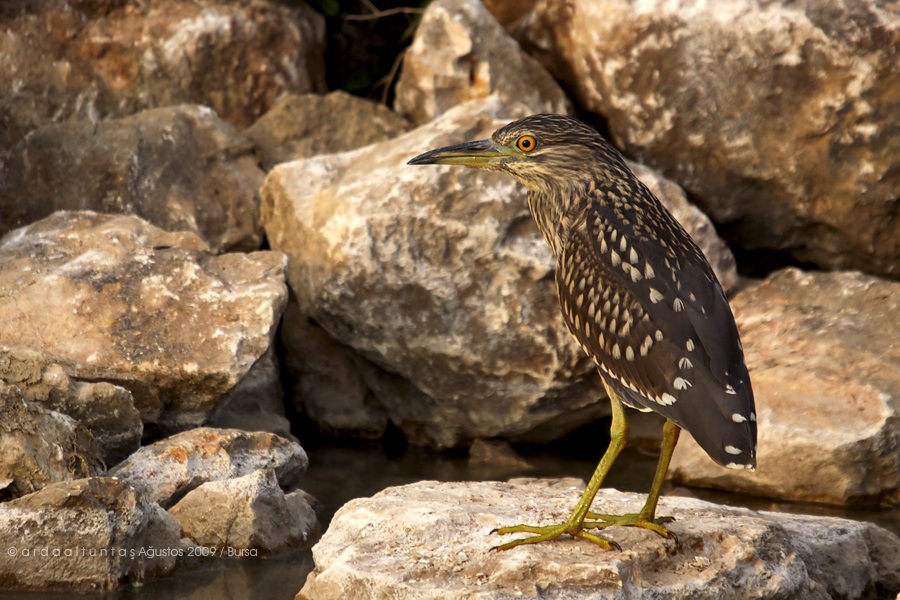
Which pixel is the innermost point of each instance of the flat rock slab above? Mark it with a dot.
(431, 540)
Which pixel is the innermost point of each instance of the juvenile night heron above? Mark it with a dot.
(638, 295)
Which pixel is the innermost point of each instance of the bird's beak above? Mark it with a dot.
(482, 153)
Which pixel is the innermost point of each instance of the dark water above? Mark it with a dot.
(339, 473)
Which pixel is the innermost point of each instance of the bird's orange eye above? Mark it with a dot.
(526, 143)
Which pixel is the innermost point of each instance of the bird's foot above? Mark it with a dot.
(551, 532)
(601, 521)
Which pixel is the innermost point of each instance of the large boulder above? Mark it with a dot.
(113, 298)
(105, 410)
(438, 276)
(245, 516)
(461, 53)
(168, 469)
(823, 357)
(67, 59)
(181, 168)
(39, 446)
(433, 540)
(304, 125)
(85, 535)
(779, 117)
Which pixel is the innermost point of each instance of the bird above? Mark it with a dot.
(637, 294)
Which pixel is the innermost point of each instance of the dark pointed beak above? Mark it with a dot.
(481, 153)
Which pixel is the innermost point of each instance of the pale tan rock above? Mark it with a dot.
(461, 53)
(73, 60)
(39, 446)
(168, 469)
(433, 540)
(823, 357)
(438, 276)
(113, 298)
(300, 126)
(85, 535)
(778, 117)
(250, 512)
(181, 168)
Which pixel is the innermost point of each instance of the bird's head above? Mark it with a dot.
(540, 151)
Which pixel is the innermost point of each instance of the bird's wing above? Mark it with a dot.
(660, 330)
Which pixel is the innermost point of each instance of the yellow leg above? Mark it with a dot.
(647, 517)
(575, 524)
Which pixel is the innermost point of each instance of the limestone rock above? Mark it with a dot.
(85, 535)
(300, 126)
(112, 298)
(256, 403)
(107, 411)
(89, 61)
(823, 356)
(39, 447)
(432, 540)
(248, 512)
(461, 53)
(779, 117)
(165, 471)
(438, 276)
(181, 168)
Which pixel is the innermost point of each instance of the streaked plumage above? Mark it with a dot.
(635, 290)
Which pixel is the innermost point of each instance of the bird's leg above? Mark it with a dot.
(575, 524)
(647, 517)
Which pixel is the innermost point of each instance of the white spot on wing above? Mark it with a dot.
(615, 258)
(655, 295)
(678, 305)
(685, 363)
(738, 418)
(689, 345)
(667, 399)
(632, 256)
(649, 273)
(629, 353)
(730, 390)
(680, 383)
(733, 450)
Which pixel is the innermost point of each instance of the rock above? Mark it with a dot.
(181, 168)
(460, 53)
(432, 540)
(85, 535)
(823, 355)
(107, 411)
(74, 60)
(40, 446)
(438, 276)
(113, 298)
(257, 402)
(165, 471)
(778, 117)
(301, 126)
(329, 380)
(245, 513)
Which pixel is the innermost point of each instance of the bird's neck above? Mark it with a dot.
(554, 210)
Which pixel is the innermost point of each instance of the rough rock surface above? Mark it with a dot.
(248, 512)
(781, 118)
(460, 53)
(440, 276)
(181, 168)
(39, 446)
(107, 411)
(823, 357)
(300, 126)
(165, 471)
(89, 534)
(432, 540)
(113, 298)
(257, 402)
(92, 60)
